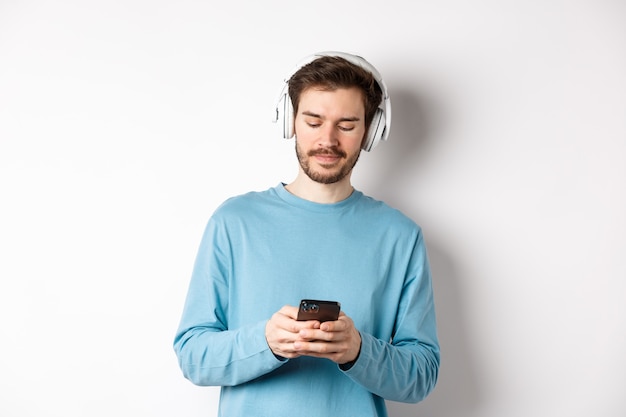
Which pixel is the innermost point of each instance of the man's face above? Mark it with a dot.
(329, 126)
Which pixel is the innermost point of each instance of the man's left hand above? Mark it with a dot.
(337, 340)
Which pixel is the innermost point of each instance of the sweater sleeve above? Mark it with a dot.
(224, 358)
(406, 368)
(209, 353)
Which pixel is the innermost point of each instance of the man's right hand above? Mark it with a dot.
(282, 331)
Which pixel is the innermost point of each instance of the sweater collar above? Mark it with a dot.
(296, 201)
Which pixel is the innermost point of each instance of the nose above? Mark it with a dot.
(328, 135)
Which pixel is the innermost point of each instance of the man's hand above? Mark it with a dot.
(282, 331)
(338, 340)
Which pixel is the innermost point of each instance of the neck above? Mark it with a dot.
(307, 189)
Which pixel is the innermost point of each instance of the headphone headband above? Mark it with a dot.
(379, 126)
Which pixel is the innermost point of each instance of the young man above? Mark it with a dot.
(314, 238)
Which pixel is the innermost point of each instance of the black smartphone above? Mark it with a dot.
(319, 310)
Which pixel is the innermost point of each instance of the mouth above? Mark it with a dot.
(327, 156)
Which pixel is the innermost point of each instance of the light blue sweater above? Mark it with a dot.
(263, 250)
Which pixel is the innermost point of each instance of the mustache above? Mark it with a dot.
(334, 151)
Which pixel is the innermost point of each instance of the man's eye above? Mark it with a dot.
(313, 125)
(346, 128)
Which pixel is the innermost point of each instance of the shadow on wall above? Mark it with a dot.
(411, 131)
(458, 391)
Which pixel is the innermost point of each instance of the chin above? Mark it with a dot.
(327, 177)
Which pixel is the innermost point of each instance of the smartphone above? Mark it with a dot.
(319, 310)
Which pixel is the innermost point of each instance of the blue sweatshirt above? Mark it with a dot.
(263, 250)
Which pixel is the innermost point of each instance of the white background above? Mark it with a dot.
(123, 124)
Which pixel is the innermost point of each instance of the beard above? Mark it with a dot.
(332, 172)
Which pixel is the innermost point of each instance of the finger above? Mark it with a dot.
(289, 311)
(330, 326)
(320, 349)
(283, 321)
(339, 351)
(339, 325)
(321, 335)
(317, 348)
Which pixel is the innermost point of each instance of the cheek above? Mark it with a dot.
(355, 141)
(300, 128)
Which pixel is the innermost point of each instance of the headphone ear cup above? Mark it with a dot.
(375, 131)
(289, 119)
(284, 114)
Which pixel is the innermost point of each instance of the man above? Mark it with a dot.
(314, 238)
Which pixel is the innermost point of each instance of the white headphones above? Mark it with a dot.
(380, 124)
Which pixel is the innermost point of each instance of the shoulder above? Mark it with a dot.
(244, 205)
(251, 197)
(384, 213)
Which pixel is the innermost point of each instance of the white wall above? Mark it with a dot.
(123, 124)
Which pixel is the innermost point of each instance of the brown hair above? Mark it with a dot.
(331, 73)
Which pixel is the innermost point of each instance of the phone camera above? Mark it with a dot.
(312, 308)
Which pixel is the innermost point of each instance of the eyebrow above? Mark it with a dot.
(343, 119)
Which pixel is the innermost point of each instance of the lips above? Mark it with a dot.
(328, 153)
(326, 158)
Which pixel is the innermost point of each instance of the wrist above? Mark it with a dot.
(347, 365)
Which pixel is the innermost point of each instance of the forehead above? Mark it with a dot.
(341, 102)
